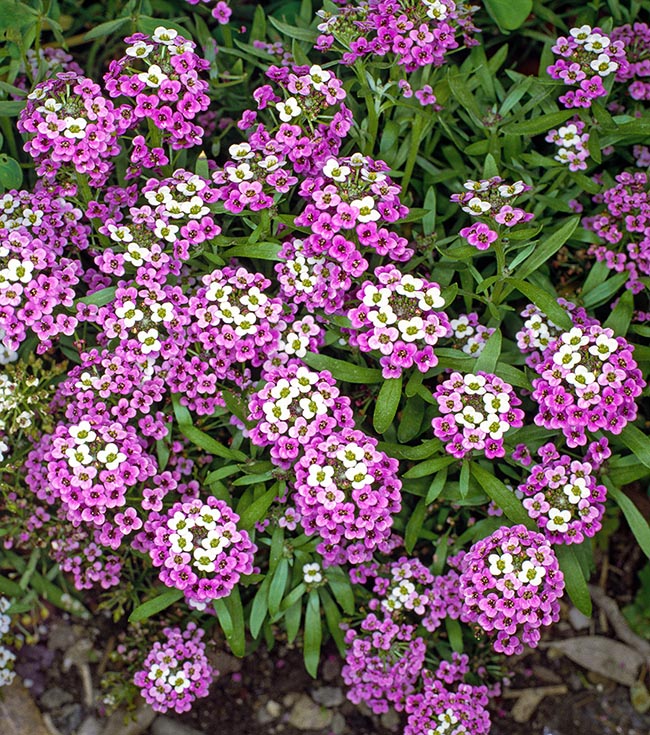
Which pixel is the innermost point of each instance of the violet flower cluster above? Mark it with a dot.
(400, 316)
(511, 583)
(199, 549)
(636, 41)
(347, 492)
(477, 410)
(468, 334)
(586, 57)
(491, 201)
(588, 382)
(563, 496)
(624, 228)
(176, 671)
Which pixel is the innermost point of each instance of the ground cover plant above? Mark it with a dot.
(321, 321)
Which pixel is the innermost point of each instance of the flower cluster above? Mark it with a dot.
(511, 583)
(352, 197)
(347, 492)
(636, 41)
(383, 662)
(160, 73)
(176, 670)
(477, 410)
(295, 407)
(586, 57)
(588, 382)
(199, 549)
(563, 497)
(491, 200)
(399, 315)
(572, 142)
(71, 126)
(624, 228)
(417, 34)
(7, 657)
(468, 334)
(539, 332)
(447, 705)
(221, 11)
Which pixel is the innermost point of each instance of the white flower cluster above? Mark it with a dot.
(597, 44)
(9, 401)
(295, 341)
(289, 395)
(6, 355)
(571, 357)
(203, 535)
(572, 144)
(241, 310)
(341, 173)
(504, 564)
(80, 455)
(448, 723)
(6, 656)
(158, 313)
(471, 335)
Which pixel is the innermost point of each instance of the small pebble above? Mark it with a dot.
(166, 726)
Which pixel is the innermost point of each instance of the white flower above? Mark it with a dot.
(436, 10)
(165, 231)
(476, 206)
(474, 384)
(357, 160)
(194, 208)
(163, 196)
(318, 76)
(432, 299)
(75, 127)
(270, 163)
(558, 520)
(411, 329)
(139, 50)
(603, 65)
(161, 312)
(312, 573)
(530, 574)
(18, 270)
(120, 234)
(82, 433)
(581, 34)
(110, 456)
(149, 341)
(78, 456)
(604, 346)
(472, 185)
(581, 377)
(511, 190)
(236, 174)
(375, 177)
(312, 406)
(575, 337)
(334, 170)
(410, 286)
(568, 136)
(129, 314)
(596, 43)
(566, 357)
(288, 110)
(469, 417)
(193, 185)
(377, 297)
(495, 427)
(240, 151)
(366, 207)
(153, 77)
(576, 490)
(164, 35)
(500, 564)
(350, 454)
(358, 475)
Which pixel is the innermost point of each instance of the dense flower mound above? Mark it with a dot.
(316, 279)
(539, 332)
(160, 73)
(468, 334)
(477, 410)
(564, 498)
(624, 228)
(351, 198)
(399, 315)
(417, 34)
(636, 41)
(90, 465)
(588, 382)
(295, 407)
(572, 142)
(347, 492)
(383, 662)
(491, 200)
(586, 57)
(447, 705)
(511, 583)
(199, 549)
(409, 587)
(176, 670)
(71, 126)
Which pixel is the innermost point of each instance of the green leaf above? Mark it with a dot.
(430, 467)
(437, 486)
(637, 442)
(341, 589)
(637, 523)
(538, 125)
(292, 620)
(333, 618)
(509, 14)
(151, 607)
(148, 25)
(278, 586)
(544, 251)
(387, 404)
(105, 29)
(414, 525)
(11, 108)
(231, 614)
(487, 360)
(411, 422)
(100, 298)
(313, 634)
(10, 588)
(620, 318)
(502, 496)
(257, 509)
(11, 175)
(342, 370)
(576, 584)
(261, 250)
(455, 633)
(302, 34)
(545, 301)
(603, 292)
(259, 608)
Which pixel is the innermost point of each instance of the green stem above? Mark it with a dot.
(500, 252)
(416, 138)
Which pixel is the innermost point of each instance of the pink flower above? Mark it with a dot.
(479, 235)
